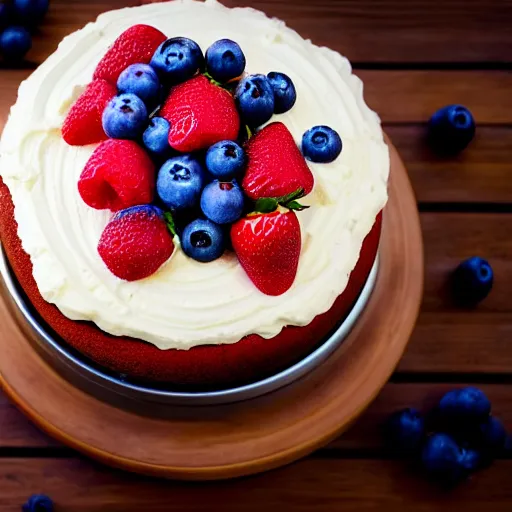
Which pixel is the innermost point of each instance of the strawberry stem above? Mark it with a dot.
(212, 80)
(270, 204)
(171, 225)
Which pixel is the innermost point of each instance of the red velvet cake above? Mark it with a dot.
(188, 203)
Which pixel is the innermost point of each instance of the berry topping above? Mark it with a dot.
(225, 60)
(275, 165)
(464, 406)
(405, 431)
(125, 117)
(141, 80)
(83, 123)
(6, 14)
(203, 240)
(268, 248)
(472, 281)
(222, 202)
(136, 243)
(177, 60)
(180, 182)
(134, 46)
(156, 137)
(285, 95)
(225, 160)
(445, 461)
(118, 174)
(254, 98)
(38, 503)
(451, 129)
(15, 42)
(200, 114)
(492, 438)
(31, 12)
(321, 144)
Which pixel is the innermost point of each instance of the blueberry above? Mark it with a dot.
(15, 42)
(225, 60)
(254, 97)
(31, 12)
(321, 144)
(472, 281)
(285, 95)
(492, 438)
(464, 407)
(141, 80)
(125, 117)
(451, 129)
(203, 240)
(225, 160)
(177, 60)
(180, 182)
(222, 202)
(38, 503)
(404, 431)
(470, 460)
(444, 460)
(156, 137)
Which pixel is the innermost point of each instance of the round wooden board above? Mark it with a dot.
(248, 437)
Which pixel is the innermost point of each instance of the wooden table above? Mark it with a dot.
(414, 57)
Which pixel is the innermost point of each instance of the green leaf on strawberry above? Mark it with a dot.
(270, 204)
(171, 225)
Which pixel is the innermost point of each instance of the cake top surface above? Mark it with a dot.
(188, 303)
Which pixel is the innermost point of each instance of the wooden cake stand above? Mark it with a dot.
(238, 439)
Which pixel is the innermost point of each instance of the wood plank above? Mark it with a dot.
(365, 31)
(481, 173)
(17, 432)
(312, 484)
(413, 96)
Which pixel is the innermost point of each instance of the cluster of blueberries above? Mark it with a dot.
(182, 183)
(456, 439)
(17, 19)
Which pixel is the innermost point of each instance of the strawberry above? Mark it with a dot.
(268, 248)
(136, 242)
(82, 125)
(118, 174)
(134, 46)
(275, 166)
(201, 114)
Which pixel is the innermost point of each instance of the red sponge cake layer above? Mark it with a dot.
(251, 359)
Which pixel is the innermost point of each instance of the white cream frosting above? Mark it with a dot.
(187, 303)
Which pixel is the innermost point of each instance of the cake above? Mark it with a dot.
(190, 322)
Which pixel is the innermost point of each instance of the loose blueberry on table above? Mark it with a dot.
(38, 503)
(215, 188)
(472, 281)
(451, 129)
(456, 439)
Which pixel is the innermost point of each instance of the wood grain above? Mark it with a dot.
(350, 485)
(366, 31)
(480, 174)
(364, 437)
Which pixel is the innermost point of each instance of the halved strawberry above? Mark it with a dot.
(134, 46)
(82, 125)
(201, 114)
(268, 248)
(275, 166)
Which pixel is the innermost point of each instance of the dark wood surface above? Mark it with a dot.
(414, 57)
